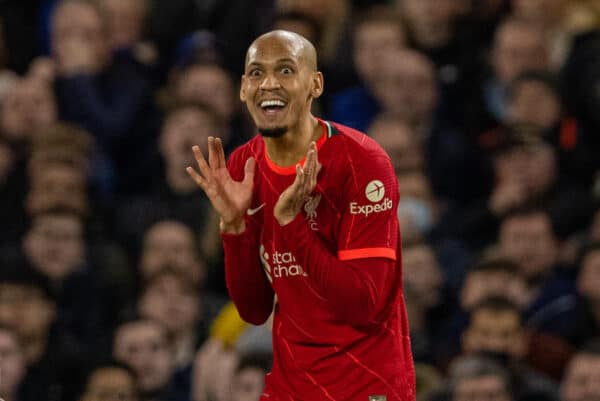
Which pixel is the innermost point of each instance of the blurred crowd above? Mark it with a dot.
(111, 276)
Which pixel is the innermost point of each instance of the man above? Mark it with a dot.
(582, 378)
(111, 381)
(325, 231)
(478, 378)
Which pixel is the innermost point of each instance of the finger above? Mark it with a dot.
(220, 154)
(201, 161)
(196, 177)
(212, 152)
(249, 168)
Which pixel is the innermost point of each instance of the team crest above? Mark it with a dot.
(310, 208)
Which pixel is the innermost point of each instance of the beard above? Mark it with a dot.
(273, 132)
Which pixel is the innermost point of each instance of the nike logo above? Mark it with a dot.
(252, 212)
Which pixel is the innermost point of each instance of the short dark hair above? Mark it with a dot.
(591, 347)
(476, 366)
(498, 264)
(383, 14)
(258, 360)
(179, 105)
(21, 274)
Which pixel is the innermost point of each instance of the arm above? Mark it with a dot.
(246, 281)
(355, 289)
(229, 189)
(356, 282)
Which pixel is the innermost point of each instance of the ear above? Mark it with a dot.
(243, 89)
(317, 84)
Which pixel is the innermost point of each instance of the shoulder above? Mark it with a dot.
(243, 152)
(359, 146)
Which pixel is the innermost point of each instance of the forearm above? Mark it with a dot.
(246, 281)
(354, 289)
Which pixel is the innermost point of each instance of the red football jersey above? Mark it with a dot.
(320, 351)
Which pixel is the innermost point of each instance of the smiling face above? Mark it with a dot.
(280, 81)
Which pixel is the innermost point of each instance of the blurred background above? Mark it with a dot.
(111, 276)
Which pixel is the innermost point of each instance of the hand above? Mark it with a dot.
(293, 198)
(230, 198)
(507, 196)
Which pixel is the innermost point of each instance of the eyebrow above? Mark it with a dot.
(278, 61)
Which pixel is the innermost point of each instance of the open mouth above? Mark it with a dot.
(272, 106)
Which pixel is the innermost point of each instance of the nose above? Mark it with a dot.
(269, 82)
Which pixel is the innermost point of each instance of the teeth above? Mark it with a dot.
(270, 103)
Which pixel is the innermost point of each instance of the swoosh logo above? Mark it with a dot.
(252, 212)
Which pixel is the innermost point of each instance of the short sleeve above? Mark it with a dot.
(369, 226)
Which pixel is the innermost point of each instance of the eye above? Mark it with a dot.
(286, 70)
(255, 73)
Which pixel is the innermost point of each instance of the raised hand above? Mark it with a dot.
(293, 198)
(230, 198)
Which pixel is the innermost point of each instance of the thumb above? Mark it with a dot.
(249, 171)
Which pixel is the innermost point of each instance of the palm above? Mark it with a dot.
(230, 198)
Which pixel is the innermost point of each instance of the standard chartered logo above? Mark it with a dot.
(374, 191)
(280, 264)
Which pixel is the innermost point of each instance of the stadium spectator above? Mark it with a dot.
(376, 33)
(519, 45)
(173, 195)
(477, 378)
(53, 360)
(248, 379)
(400, 142)
(406, 88)
(582, 378)
(496, 329)
(146, 347)
(111, 381)
(107, 98)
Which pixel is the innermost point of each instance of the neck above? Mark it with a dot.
(290, 148)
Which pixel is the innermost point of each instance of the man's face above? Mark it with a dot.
(406, 87)
(518, 48)
(57, 185)
(488, 388)
(429, 18)
(582, 379)
(170, 243)
(126, 19)
(372, 40)
(28, 107)
(248, 384)
(12, 363)
(169, 302)
(422, 274)
(499, 332)
(208, 84)
(110, 384)
(27, 310)
(143, 346)
(278, 84)
(54, 245)
(78, 25)
(530, 242)
(533, 102)
(182, 129)
(400, 143)
(588, 281)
